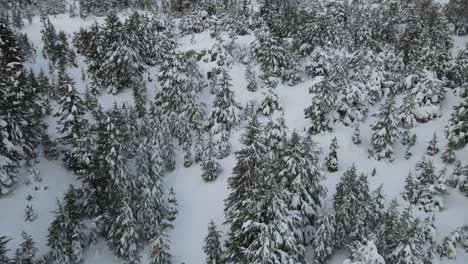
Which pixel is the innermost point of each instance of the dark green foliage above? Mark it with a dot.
(212, 247)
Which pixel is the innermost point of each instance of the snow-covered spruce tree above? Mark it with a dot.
(274, 234)
(221, 140)
(122, 65)
(20, 127)
(269, 103)
(123, 237)
(429, 187)
(406, 114)
(449, 155)
(3, 249)
(30, 214)
(109, 175)
(179, 86)
(365, 253)
(302, 176)
(324, 241)
(148, 204)
(172, 212)
(210, 165)
(320, 62)
(160, 248)
(428, 94)
(432, 148)
(250, 77)
(26, 253)
(320, 113)
(168, 152)
(388, 233)
(410, 188)
(66, 237)
(240, 204)
(409, 240)
(212, 247)
(271, 53)
(352, 202)
(70, 116)
(353, 101)
(458, 72)
(199, 145)
(331, 161)
(57, 241)
(456, 130)
(275, 133)
(356, 138)
(225, 109)
(386, 131)
(447, 249)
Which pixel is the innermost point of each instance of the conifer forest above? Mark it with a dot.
(233, 131)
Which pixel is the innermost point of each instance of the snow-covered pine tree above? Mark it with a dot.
(199, 145)
(270, 102)
(447, 249)
(331, 161)
(225, 109)
(179, 85)
(365, 253)
(160, 248)
(275, 133)
(389, 231)
(168, 152)
(352, 203)
(123, 237)
(30, 214)
(122, 65)
(241, 202)
(320, 62)
(449, 155)
(427, 94)
(212, 247)
(324, 241)
(171, 206)
(386, 131)
(221, 140)
(353, 101)
(210, 165)
(410, 189)
(70, 116)
(302, 175)
(428, 187)
(356, 138)
(148, 203)
(19, 126)
(3, 249)
(406, 114)
(250, 77)
(272, 55)
(410, 240)
(276, 232)
(456, 130)
(58, 243)
(432, 148)
(26, 253)
(320, 113)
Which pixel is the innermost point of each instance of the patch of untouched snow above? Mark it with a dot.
(56, 179)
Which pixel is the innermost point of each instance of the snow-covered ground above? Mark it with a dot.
(199, 202)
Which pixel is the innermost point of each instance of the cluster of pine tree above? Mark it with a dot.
(361, 53)
(118, 53)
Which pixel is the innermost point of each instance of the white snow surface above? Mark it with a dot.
(199, 202)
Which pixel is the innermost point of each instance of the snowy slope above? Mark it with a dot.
(199, 202)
